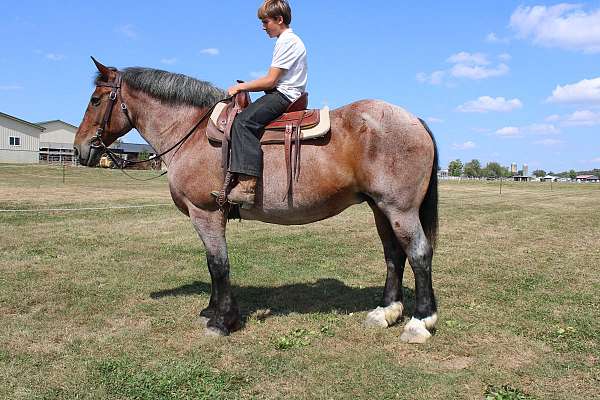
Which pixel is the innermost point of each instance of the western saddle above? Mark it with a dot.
(286, 129)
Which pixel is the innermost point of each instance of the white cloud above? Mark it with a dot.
(549, 142)
(577, 118)
(509, 131)
(566, 26)
(583, 118)
(435, 78)
(585, 91)
(595, 160)
(543, 129)
(486, 103)
(211, 51)
(468, 58)
(168, 61)
(493, 38)
(466, 65)
(54, 56)
(505, 57)
(464, 146)
(127, 30)
(477, 72)
(10, 87)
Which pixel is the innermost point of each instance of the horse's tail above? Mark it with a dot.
(428, 212)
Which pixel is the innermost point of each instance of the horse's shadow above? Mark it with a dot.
(322, 296)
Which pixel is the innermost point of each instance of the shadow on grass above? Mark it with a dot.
(322, 296)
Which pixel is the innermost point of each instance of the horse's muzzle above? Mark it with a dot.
(88, 155)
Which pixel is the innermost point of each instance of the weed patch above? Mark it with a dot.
(169, 381)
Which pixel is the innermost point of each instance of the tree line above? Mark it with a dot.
(473, 169)
(492, 169)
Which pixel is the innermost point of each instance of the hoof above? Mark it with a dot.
(415, 331)
(213, 331)
(384, 316)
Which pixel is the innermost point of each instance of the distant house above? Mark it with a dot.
(442, 173)
(521, 178)
(56, 142)
(133, 152)
(587, 178)
(549, 178)
(19, 140)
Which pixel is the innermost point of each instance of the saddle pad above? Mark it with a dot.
(270, 136)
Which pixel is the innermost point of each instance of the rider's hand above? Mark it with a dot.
(232, 91)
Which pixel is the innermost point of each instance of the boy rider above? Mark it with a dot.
(284, 83)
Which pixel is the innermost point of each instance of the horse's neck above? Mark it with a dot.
(161, 125)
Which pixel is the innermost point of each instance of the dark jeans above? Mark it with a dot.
(247, 129)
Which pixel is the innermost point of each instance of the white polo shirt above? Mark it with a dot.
(290, 55)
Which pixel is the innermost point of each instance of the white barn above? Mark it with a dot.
(19, 140)
(56, 142)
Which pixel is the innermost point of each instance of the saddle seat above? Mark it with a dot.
(310, 123)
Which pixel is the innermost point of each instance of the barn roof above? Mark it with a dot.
(56, 120)
(22, 121)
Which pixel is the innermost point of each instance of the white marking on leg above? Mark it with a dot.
(431, 321)
(384, 316)
(415, 331)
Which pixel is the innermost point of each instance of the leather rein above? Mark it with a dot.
(98, 143)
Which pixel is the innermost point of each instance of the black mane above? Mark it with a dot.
(170, 87)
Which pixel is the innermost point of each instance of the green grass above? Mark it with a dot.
(103, 304)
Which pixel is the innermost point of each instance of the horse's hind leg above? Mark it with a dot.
(395, 258)
(409, 232)
(222, 314)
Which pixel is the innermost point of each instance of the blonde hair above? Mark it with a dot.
(274, 9)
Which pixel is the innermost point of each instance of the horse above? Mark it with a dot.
(375, 152)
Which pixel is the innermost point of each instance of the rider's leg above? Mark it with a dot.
(246, 154)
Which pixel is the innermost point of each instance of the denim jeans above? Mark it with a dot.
(247, 129)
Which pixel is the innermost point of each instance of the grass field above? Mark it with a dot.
(103, 304)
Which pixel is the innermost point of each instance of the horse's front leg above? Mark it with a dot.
(222, 315)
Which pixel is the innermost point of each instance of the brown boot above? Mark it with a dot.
(243, 192)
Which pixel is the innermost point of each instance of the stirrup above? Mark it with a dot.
(243, 206)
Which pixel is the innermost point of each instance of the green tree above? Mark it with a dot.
(473, 169)
(572, 174)
(495, 170)
(455, 168)
(539, 173)
(144, 155)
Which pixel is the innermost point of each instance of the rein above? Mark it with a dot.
(98, 143)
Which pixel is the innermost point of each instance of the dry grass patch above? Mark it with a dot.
(104, 304)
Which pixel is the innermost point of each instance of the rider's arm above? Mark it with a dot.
(266, 82)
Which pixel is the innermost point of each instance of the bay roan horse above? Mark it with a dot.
(375, 152)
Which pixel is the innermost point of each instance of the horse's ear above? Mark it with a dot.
(103, 70)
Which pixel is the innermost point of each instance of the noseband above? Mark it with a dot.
(115, 86)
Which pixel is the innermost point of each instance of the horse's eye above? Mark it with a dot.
(95, 101)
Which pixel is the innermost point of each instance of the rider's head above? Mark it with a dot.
(276, 16)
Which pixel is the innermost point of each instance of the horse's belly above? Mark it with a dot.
(301, 209)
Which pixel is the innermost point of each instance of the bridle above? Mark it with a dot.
(98, 143)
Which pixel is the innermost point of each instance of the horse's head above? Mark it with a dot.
(105, 119)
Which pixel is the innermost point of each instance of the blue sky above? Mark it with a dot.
(507, 81)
